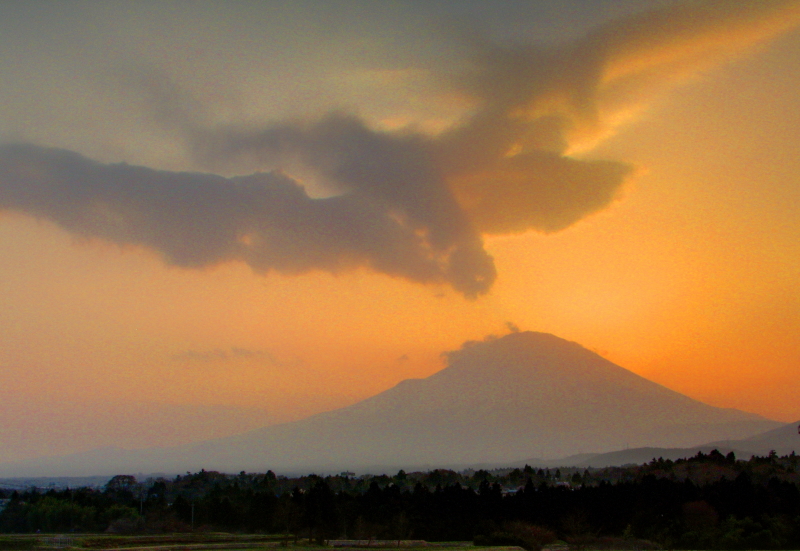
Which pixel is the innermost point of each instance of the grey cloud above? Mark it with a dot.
(401, 203)
(504, 169)
(222, 354)
(265, 219)
(509, 163)
(387, 182)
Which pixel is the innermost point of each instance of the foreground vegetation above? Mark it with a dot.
(206, 541)
(705, 502)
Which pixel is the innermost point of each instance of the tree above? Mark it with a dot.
(121, 482)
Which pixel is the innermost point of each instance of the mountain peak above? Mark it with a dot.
(528, 353)
(520, 340)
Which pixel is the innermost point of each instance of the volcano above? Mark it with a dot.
(525, 395)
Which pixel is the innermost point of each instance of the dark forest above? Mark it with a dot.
(709, 501)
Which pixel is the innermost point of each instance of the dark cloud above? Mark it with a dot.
(265, 219)
(386, 184)
(402, 203)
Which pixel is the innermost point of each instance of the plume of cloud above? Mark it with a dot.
(399, 202)
(512, 164)
(265, 219)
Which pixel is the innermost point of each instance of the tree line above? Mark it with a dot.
(708, 501)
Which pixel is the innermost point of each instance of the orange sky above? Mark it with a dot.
(687, 275)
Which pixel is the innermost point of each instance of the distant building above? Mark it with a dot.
(511, 491)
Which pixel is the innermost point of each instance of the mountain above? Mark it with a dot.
(524, 395)
(635, 456)
(631, 456)
(783, 440)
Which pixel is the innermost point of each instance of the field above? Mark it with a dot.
(210, 542)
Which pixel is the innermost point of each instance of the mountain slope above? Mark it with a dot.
(523, 395)
(783, 440)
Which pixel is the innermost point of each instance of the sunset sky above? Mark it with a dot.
(220, 215)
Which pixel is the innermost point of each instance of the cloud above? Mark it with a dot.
(217, 354)
(233, 353)
(265, 219)
(385, 183)
(401, 202)
(512, 163)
